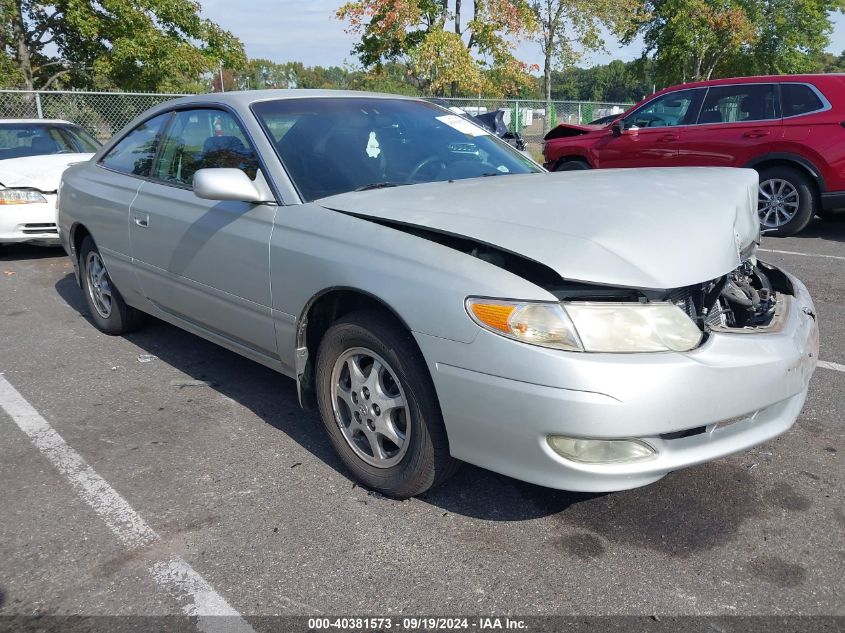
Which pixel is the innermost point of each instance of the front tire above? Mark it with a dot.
(572, 165)
(786, 201)
(379, 406)
(109, 311)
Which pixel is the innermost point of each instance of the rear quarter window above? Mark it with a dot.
(799, 99)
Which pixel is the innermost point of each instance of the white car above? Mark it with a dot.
(33, 155)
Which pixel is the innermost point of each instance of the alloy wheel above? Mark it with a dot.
(777, 202)
(99, 288)
(370, 407)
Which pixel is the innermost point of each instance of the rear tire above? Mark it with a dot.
(348, 396)
(109, 311)
(572, 165)
(786, 201)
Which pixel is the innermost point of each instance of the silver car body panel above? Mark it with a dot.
(243, 276)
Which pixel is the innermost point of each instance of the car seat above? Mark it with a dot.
(40, 145)
(710, 116)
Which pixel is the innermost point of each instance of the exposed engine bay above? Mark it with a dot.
(746, 297)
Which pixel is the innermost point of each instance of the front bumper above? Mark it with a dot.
(30, 223)
(502, 399)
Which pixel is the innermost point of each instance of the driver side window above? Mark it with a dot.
(674, 108)
(203, 138)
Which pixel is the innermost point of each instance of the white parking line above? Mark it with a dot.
(771, 250)
(175, 575)
(828, 365)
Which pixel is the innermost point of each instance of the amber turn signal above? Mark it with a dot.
(494, 315)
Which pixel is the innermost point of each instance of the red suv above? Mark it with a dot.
(790, 128)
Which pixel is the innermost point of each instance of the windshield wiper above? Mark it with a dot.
(380, 185)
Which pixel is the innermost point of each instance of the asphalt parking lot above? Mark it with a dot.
(213, 454)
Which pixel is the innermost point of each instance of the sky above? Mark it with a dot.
(306, 31)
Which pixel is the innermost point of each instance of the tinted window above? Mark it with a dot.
(197, 139)
(135, 153)
(673, 108)
(19, 140)
(799, 99)
(336, 145)
(734, 104)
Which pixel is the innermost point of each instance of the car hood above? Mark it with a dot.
(641, 228)
(569, 130)
(37, 172)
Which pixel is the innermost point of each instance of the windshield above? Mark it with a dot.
(18, 140)
(335, 145)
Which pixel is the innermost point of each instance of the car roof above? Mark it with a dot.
(757, 79)
(36, 122)
(247, 97)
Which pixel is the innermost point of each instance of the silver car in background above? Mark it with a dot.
(441, 298)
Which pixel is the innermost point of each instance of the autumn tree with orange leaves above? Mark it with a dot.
(462, 46)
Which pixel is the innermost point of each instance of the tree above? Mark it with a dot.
(791, 36)
(700, 39)
(570, 28)
(691, 38)
(131, 44)
(618, 82)
(436, 42)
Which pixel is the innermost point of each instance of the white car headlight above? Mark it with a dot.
(634, 327)
(20, 196)
(589, 326)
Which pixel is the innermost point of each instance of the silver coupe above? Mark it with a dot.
(439, 296)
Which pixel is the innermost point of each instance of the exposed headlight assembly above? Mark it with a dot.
(589, 326)
(20, 196)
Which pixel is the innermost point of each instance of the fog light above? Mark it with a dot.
(601, 451)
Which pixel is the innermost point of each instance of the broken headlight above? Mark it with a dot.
(589, 326)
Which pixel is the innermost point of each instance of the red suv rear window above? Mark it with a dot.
(799, 99)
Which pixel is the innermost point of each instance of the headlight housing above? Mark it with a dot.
(544, 324)
(20, 196)
(589, 326)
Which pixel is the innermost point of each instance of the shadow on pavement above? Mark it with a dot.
(21, 252)
(825, 230)
(694, 509)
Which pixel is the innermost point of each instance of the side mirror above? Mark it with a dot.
(225, 183)
(617, 128)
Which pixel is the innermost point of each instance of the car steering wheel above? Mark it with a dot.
(428, 160)
(656, 120)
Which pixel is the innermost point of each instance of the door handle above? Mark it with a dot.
(668, 138)
(143, 222)
(756, 133)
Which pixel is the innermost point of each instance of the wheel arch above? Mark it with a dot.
(78, 232)
(782, 159)
(319, 313)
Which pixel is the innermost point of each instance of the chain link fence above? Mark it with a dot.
(104, 113)
(101, 113)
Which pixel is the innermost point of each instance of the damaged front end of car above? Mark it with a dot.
(751, 298)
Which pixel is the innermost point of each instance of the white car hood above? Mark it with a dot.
(642, 228)
(37, 172)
